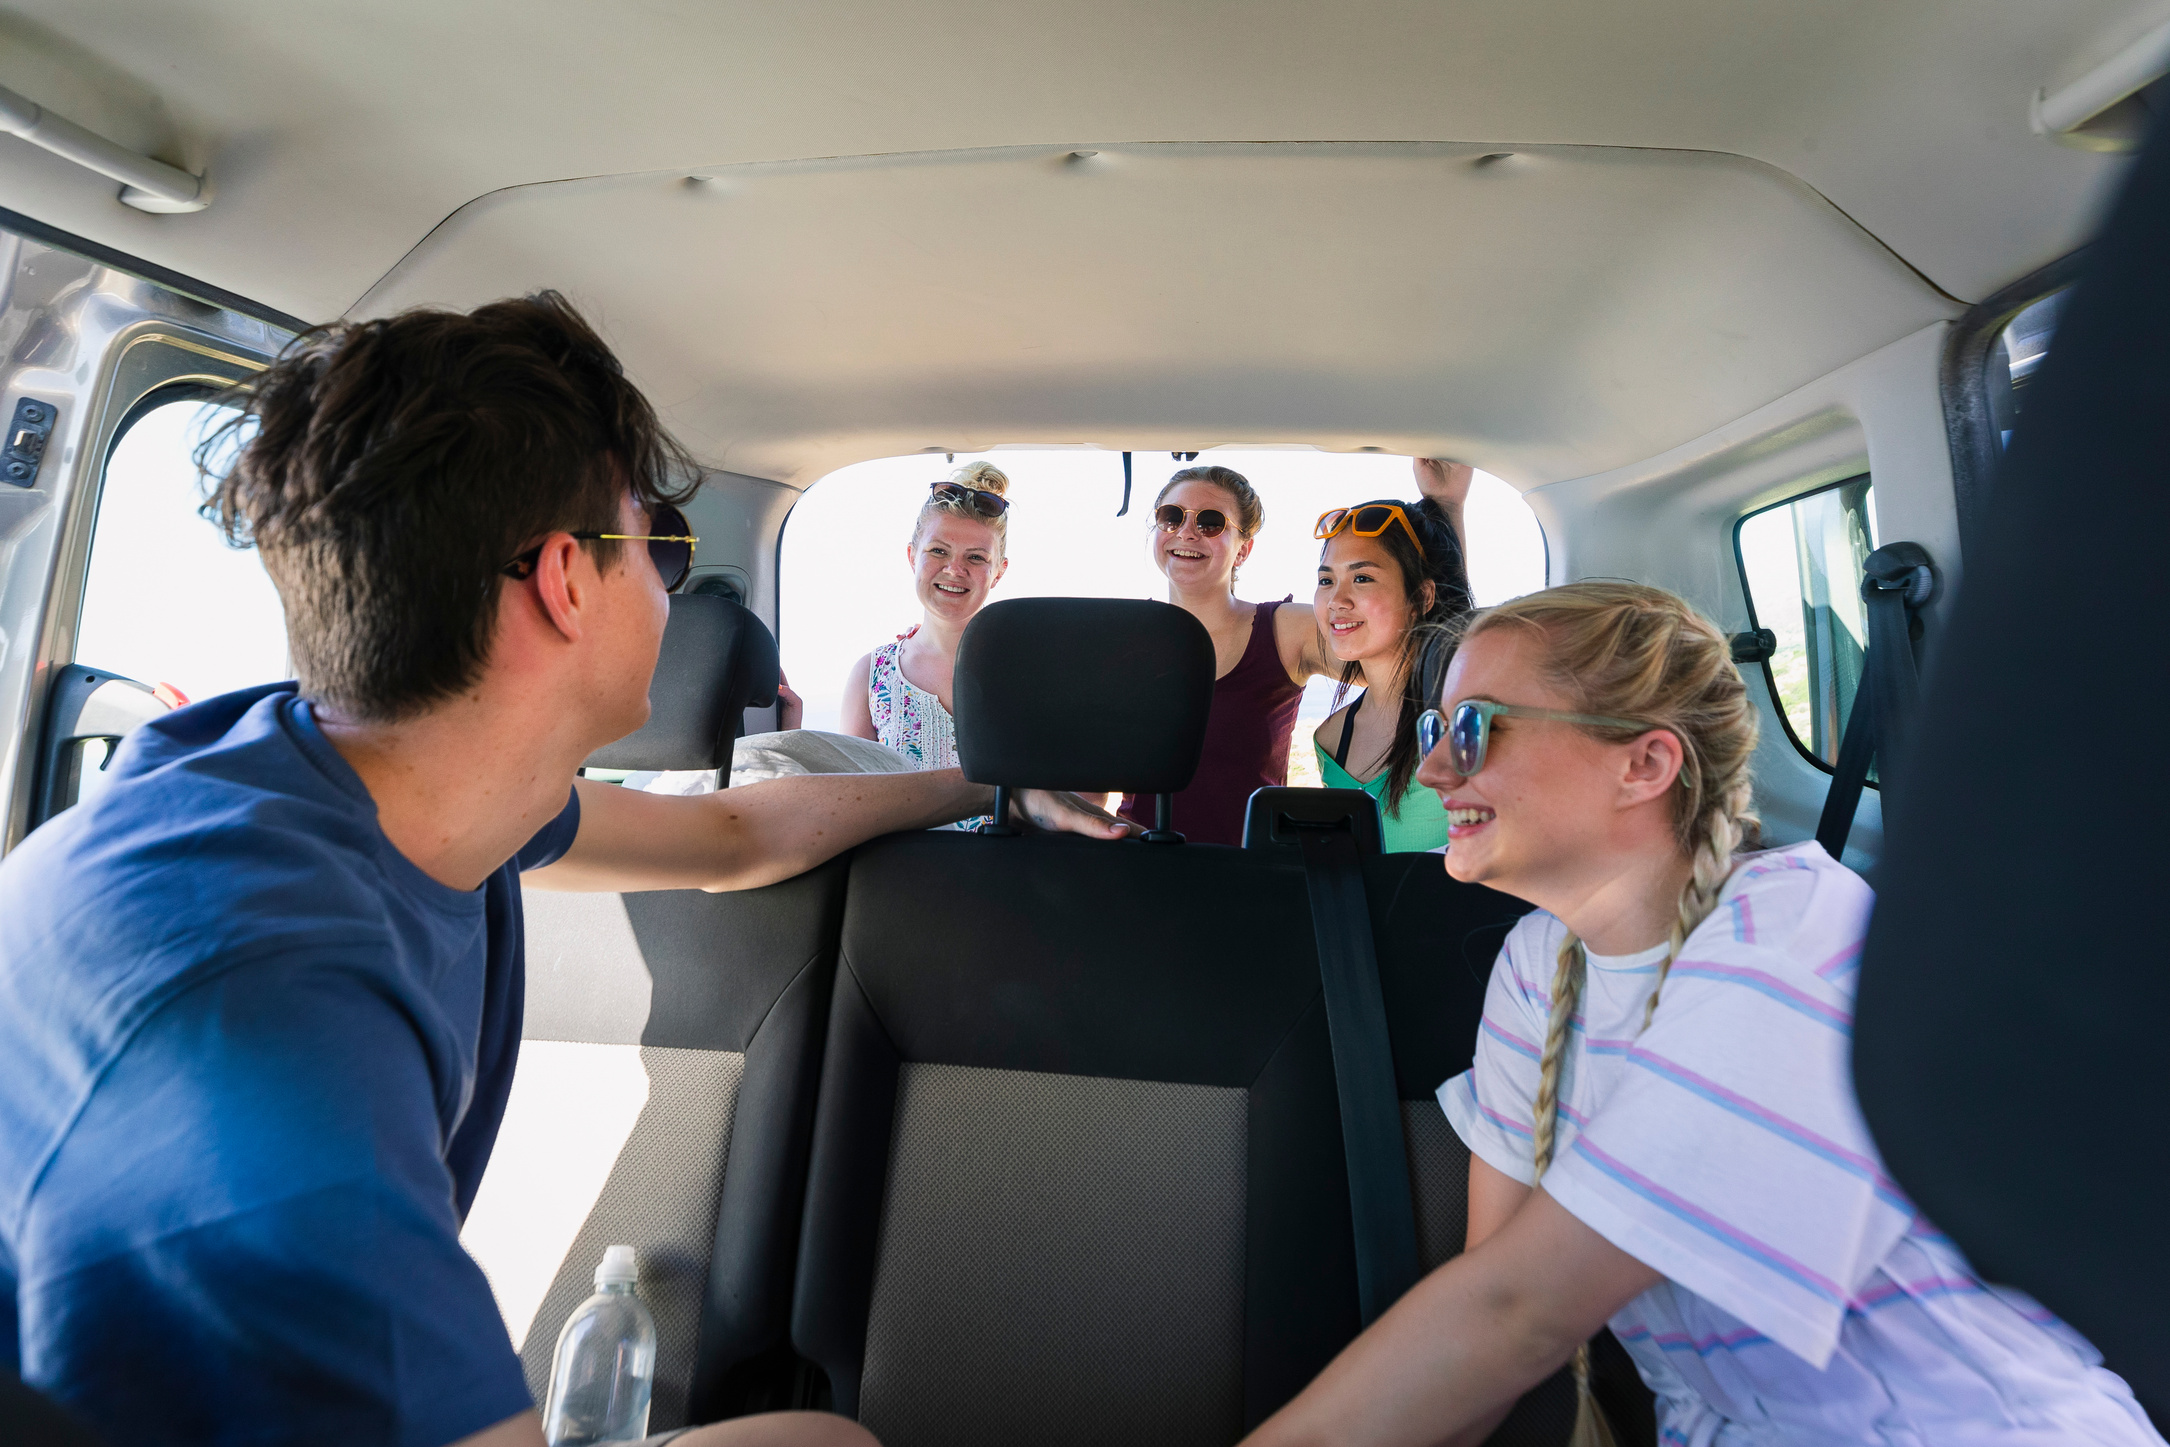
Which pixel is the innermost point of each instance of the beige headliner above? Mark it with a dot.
(1574, 311)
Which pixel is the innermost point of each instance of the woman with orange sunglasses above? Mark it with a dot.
(1204, 524)
(1389, 575)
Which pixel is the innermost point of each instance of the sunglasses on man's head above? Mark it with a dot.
(670, 547)
(989, 505)
(1468, 730)
(1211, 520)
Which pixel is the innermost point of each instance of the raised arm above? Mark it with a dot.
(1446, 483)
(746, 837)
(1302, 646)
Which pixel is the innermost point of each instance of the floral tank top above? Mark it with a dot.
(911, 720)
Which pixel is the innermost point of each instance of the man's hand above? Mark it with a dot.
(1446, 483)
(1063, 813)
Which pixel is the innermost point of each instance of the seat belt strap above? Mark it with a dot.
(1896, 580)
(1380, 1207)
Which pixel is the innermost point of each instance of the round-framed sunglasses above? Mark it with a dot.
(989, 505)
(670, 548)
(1468, 730)
(1367, 521)
(1211, 520)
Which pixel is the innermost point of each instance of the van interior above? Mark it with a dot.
(982, 1138)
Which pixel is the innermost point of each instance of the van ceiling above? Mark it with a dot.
(1570, 309)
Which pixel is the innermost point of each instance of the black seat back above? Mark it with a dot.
(1077, 1173)
(718, 660)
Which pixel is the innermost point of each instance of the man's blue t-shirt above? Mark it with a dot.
(252, 1062)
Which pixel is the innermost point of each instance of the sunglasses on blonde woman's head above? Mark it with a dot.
(989, 505)
(1368, 521)
(1211, 520)
(670, 548)
(1468, 730)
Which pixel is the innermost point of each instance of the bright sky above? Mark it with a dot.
(167, 601)
(846, 587)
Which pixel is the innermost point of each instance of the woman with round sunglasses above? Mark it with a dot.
(1661, 1119)
(1391, 577)
(1205, 522)
(899, 694)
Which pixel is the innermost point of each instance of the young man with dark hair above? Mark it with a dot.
(260, 1000)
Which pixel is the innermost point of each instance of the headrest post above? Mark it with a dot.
(1163, 830)
(999, 821)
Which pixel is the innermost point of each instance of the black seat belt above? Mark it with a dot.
(1380, 1206)
(1896, 580)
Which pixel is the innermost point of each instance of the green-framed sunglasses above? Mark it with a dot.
(1469, 729)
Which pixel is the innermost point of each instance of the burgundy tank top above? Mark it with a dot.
(1254, 708)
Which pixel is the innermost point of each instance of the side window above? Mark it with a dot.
(2017, 355)
(1801, 562)
(166, 601)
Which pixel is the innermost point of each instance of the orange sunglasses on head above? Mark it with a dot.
(1366, 521)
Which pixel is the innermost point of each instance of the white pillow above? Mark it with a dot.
(781, 755)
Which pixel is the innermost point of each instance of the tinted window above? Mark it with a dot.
(1801, 562)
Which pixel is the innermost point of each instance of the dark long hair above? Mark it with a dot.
(1427, 642)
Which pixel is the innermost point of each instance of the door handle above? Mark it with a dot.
(84, 705)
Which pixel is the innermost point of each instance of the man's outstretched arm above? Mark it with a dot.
(745, 837)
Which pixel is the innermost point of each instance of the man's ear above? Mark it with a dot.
(1652, 765)
(558, 586)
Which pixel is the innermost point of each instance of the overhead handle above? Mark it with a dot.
(146, 184)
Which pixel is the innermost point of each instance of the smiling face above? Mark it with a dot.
(955, 563)
(1552, 802)
(1362, 603)
(1190, 560)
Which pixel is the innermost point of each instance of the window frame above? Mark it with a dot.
(1748, 596)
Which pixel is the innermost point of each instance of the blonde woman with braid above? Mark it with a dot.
(1662, 1127)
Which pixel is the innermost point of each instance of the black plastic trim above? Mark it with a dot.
(172, 280)
(1755, 624)
(1967, 422)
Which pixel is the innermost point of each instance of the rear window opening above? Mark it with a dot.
(845, 588)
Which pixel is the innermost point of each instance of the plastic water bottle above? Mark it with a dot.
(605, 1368)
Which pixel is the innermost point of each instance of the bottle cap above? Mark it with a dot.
(620, 1265)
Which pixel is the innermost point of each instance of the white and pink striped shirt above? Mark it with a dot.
(1805, 1300)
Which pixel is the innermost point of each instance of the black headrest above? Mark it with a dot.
(718, 660)
(1090, 694)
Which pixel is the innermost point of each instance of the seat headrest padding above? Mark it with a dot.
(1090, 694)
(718, 660)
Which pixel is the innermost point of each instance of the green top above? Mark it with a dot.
(1423, 822)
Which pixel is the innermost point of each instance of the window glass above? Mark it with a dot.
(2013, 361)
(845, 588)
(167, 601)
(1801, 561)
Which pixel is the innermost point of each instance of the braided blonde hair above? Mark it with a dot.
(1630, 651)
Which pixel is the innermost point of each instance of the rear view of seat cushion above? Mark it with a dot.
(573, 1175)
(1156, 1243)
(663, 1099)
(1105, 1217)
